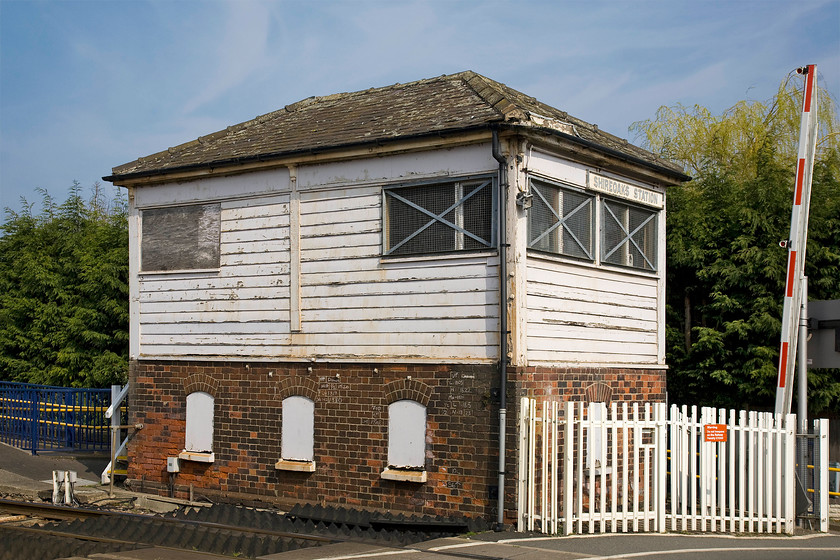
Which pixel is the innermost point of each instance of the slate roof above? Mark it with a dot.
(447, 104)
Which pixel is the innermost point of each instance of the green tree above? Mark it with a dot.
(726, 271)
(64, 292)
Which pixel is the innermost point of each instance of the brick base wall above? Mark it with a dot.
(351, 433)
(351, 429)
(590, 384)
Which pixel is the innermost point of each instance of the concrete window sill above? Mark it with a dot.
(296, 466)
(403, 475)
(198, 457)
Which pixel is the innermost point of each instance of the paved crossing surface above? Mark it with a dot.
(25, 475)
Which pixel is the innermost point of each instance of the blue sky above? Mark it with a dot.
(86, 85)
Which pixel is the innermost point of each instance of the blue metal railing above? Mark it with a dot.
(44, 418)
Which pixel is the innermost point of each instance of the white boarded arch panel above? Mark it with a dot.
(406, 434)
(199, 423)
(297, 440)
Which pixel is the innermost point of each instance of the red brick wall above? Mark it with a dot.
(351, 429)
(590, 384)
(351, 433)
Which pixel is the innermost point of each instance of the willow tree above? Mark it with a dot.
(64, 292)
(726, 270)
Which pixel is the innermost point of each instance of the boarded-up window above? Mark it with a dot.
(180, 238)
(406, 434)
(297, 441)
(199, 430)
(439, 218)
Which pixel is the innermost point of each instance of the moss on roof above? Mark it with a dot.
(446, 104)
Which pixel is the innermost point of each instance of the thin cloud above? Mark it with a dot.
(239, 53)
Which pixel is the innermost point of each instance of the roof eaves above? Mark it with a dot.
(115, 177)
(670, 170)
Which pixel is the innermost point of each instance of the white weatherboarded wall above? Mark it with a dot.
(354, 303)
(243, 308)
(586, 313)
(590, 315)
(302, 276)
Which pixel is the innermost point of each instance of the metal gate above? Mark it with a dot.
(41, 417)
(586, 469)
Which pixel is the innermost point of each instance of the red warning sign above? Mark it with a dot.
(714, 432)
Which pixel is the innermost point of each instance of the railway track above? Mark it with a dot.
(42, 531)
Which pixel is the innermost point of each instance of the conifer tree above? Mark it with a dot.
(64, 292)
(726, 270)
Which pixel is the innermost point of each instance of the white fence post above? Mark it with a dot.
(568, 468)
(661, 464)
(736, 476)
(821, 476)
(522, 482)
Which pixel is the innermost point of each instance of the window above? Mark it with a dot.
(561, 221)
(629, 235)
(297, 439)
(439, 218)
(198, 444)
(180, 238)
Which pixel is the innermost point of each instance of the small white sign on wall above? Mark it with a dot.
(626, 191)
(595, 435)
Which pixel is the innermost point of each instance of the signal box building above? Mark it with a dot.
(330, 303)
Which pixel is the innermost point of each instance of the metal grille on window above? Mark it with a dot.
(629, 236)
(439, 218)
(561, 221)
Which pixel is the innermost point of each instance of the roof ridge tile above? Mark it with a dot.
(448, 103)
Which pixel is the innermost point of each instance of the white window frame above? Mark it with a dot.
(649, 257)
(297, 438)
(198, 436)
(560, 229)
(602, 212)
(463, 190)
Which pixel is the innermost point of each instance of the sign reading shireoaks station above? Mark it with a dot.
(624, 190)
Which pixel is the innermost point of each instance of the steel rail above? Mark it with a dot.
(48, 511)
(96, 539)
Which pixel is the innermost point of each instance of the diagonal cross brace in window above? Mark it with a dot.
(562, 221)
(439, 217)
(629, 236)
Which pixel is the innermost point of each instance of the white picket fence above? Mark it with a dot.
(587, 469)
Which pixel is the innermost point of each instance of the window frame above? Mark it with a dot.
(599, 219)
(462, 195)
(629, 232)
(560, 227)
